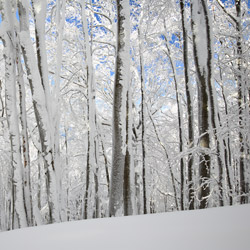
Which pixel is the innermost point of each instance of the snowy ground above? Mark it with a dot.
(211, 229)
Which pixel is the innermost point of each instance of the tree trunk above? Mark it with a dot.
(189, 107)
(25, 142)
(93, 142)
(119, 108)
(212, 103)
(240, 83)
(227, 152)
(19, 209)
(42, 114)
(143, 142)
(55, 112)
(129, 175)
(203, 69)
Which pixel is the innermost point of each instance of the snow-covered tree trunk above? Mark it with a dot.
(213, 103)
(104, 152)
(129, 174)
(93, 142)
(241, 103)
(40, 96)
(87, 177)
(25, 140)
(119, 108)
(202, 58)
(8, 36)
(39, 8)
(55, 112)
(189, 106)
(143, 128)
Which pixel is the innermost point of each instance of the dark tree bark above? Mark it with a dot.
(25, 142)
(203, 71)
(189, 107)
(211, 94)
(87, 179)
(119, 109)
(240, 83)
(143, 141)
(227, 152)
(128, 164)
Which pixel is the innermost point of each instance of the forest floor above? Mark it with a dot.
(226, 228)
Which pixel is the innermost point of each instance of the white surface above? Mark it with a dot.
(211, 229)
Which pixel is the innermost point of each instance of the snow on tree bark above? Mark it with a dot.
(142, 71)
(19, 210)
(189, 107)
(129, 174)
(213, 103)
(119, 108)
(55, 112)
(93, 142)
(42, 113)
(241, 104)
(203, 70)
(25, 141)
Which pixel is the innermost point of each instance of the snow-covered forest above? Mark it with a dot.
(122, 107)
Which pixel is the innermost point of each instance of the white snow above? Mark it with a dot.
(225, 228)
